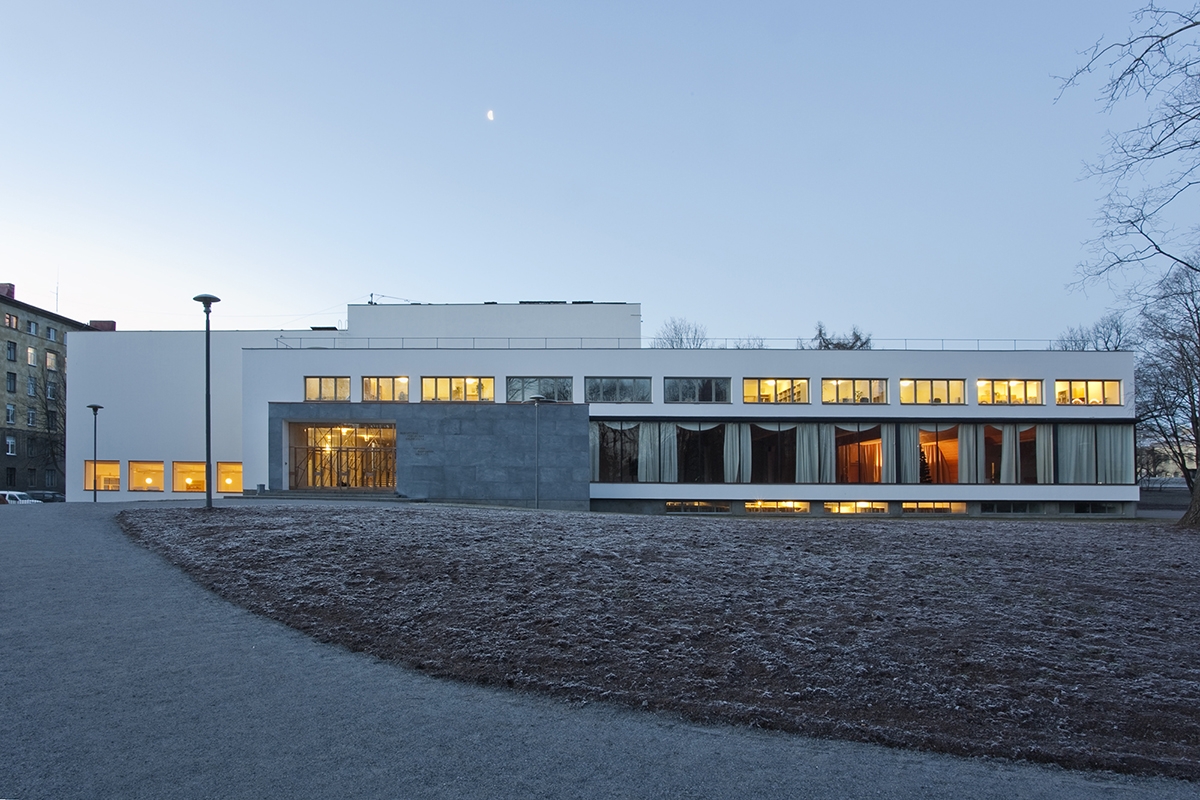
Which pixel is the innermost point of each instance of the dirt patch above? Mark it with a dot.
(1071, 643)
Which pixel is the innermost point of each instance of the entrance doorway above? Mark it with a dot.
(343, 456)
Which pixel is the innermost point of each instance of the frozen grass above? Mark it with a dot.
(1071, 643)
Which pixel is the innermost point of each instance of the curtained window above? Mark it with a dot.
(618, 452)
(701, 452)
(773, 452)
(860, 457)
(938, 458)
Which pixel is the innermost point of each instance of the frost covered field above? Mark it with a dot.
(1068, 642)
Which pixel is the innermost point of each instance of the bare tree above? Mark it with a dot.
(679, 333)
(1110, 332)
(824, 340)
(1152, 170)
(750, 343)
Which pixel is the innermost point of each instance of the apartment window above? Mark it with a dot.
(616, 390)
(922, 391)
(458, 390)
(775, 390)
(10, 351)
(10, 382)
(853, 390)
(31, 478)
(229, 477)
(52, 334)
(1010, 392)
(10, 321)
(51, 390)
(105, 475)
(31, 447)
(10, 445)
(777, 507)
(10, 477)
(31, 417)
(145, 476)
(31, 386)
(188, 476)
(31, 327)
(10, 414)
(327, 389)
(31, 356)
(385, 390)
(51, 478)
(518, 390)
(51, 360)
(1090, 393)
(934, 508)
(696, 390)
(860, 507)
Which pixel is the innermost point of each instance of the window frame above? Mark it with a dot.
(1008, 384)
(11, 321)
(339, 382)
(914, 391)
(147, 471)
(180, 470)
(449, 385)
(52, 361)
(31, 358)
(690, 390)
(10, 351)
(594, 385)
(89, 471)
(855, 398)
(374, 394)
(563, 391)
(1070, 399)
(758, 395)
(52, 333)
(225, 472)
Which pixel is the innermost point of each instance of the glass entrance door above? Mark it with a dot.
(343, 456)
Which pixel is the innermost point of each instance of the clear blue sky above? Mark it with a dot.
(753, 167)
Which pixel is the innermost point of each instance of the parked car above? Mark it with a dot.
(48, 497)
(17, 499)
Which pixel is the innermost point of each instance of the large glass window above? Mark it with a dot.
(458, 390)
(860, 507)
(106, 473)
(922, 391)
(187, 476)
(701, 453)
(327, 389)
(145, 476)
(773, 453)
(939, 454)
(619, 452)
(385, 390)
(616, 390)
(775, 390)
(859, 453)
(348, 456)
(853, 390)
(1092, 393)
(1009, 392)
(518, 390)
(696, 390)
(229, 477)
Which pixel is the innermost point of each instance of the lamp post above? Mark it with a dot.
(537, 477)
(95, 417)
(207, 300)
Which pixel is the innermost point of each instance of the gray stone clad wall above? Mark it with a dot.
(466, 452)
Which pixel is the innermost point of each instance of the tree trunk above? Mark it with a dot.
(1191, 517)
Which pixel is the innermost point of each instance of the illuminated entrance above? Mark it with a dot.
(344, 456)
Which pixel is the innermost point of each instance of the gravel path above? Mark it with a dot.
(120, 677)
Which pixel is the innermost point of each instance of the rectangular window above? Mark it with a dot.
(938, 456)
(854, 390)
(229, 477)
(30, 417)
(1091, 393)
(52, 334)
(31, 327)
(1009, 393)
(860, 507)
(10, 477)
(327, 389)
(922, 391)
(616, 390)
(188, 476)
(10, 445)
(559, 390)
(458, 390)
(10, 414)
(934, 508)
(51, 390)
(10, 381)
(776, 507)
(10, 321)
(775, 390)
(108, 474)
(385, 390)
(859, 456)
(31, 447)
(31, 356)
(51, 478)
(10, 351)
(31, 386)
(1010, 508)
(145, 476)
(51, 360)
(697, 507)
(696, 390)
(31, 478)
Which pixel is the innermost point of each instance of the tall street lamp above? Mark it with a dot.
(537, 478)
(207, 300)
(95, 416)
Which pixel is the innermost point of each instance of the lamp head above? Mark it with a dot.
(207, 300)
(95, 409)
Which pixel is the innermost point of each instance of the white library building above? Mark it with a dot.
(561, 406)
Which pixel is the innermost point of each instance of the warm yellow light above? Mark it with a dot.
(863, 504)
(404, 380)
(982, 383)
(1014, 383)
(228, 481)
(770, 383)
(149, 480)
(472, 380)
(188, 481)
(906, 383)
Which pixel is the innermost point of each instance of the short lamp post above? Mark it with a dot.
(537, 473)
(95, 417)
(207, 300)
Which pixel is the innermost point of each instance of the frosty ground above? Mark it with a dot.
(1064, 642)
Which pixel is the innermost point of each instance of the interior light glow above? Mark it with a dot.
(770, 383)
(228, 481)
(404, 380)
(188, 481)
(863, 504)
(472, 380)
(1013, 383)
(149, 480)
(906, 383)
